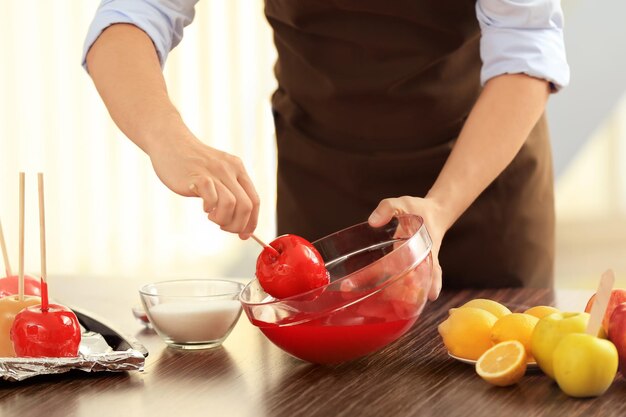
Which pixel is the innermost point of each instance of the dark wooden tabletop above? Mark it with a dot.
(249, 376)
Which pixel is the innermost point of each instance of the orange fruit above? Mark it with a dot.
(504, 364)
(466, 332)
(541, 311)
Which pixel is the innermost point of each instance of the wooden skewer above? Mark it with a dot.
(5, 254)
(260, 242)
(20, 283)
(42, 244)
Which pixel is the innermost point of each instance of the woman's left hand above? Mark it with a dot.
(434, 217)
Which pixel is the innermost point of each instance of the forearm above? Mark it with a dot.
(125, 69)
(494, 132)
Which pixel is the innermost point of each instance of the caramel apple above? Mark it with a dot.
(45, 330)
(10, 306)
(51, 332)
(10, 286)
(291, 266)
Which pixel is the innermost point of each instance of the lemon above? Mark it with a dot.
(504, 364)
(491, 306)
(466, 332)
(515, 326)
(541, 311)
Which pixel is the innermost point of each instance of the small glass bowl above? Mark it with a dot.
(193, 313)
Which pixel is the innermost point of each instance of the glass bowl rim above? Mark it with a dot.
(295, 297)
(240, 285)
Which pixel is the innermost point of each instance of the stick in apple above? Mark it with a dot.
(21, 259)
(602, 300)
(42, 244)
(5, 254)
(265, 245)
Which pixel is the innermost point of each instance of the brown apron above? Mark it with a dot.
(371, 98)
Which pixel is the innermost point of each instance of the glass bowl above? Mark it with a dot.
(193, 313)
(379, 285)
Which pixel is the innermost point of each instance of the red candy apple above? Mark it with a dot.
(295, 269)
(52, 332)
(9, 286)
(617, 334)
(618, 296)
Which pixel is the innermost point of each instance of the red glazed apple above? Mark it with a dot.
(295, 269)
(618, 296)
(53, 332)
(617, 334)
(9, 286)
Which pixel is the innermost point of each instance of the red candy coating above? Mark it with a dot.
(53, 333)
(9, 286)
(297, 268)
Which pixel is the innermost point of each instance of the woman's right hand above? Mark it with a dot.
(190, 168)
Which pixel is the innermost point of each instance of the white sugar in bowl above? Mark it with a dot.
(192, 313)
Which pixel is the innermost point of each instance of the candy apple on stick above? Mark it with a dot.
(290, 266)
(46, 330)
(11, 305)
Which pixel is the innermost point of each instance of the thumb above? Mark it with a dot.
(382, 214)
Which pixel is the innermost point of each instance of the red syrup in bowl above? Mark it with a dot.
(349, 333)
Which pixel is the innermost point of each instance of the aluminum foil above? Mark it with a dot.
(96, 354)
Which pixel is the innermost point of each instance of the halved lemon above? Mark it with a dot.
(504, 364)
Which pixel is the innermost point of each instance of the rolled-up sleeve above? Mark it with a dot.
(162, 20)
(523, 37)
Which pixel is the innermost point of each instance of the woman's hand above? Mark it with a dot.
(190, 168)
(434, 217)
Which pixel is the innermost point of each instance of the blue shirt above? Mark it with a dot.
(517, 36)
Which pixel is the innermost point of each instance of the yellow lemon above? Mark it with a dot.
(514, 326)
(491, 306)
(541, 311)
(466, 332)
(504, 364)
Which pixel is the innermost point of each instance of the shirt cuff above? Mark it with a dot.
(539, 53)
(523, 37)
(162, 25)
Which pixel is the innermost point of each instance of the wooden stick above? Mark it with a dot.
(5, 253)
(601, 302)
(42, 228)
(42, 244)
(20, 282)
(260, 242)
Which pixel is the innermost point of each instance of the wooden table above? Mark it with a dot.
(249, 376)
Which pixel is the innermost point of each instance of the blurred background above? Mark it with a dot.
(108, 214)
